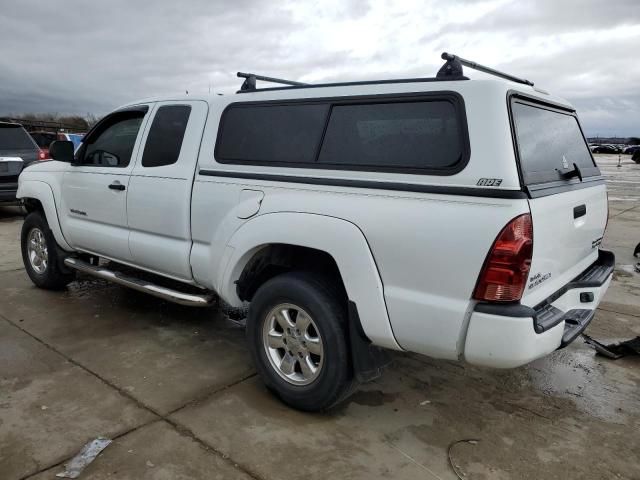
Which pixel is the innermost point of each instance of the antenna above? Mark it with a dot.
(453, 67)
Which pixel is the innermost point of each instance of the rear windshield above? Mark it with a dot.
(549, 142)
(15, 138)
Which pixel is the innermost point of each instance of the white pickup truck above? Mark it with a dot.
(455, 218)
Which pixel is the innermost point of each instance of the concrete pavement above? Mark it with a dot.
(176, 390)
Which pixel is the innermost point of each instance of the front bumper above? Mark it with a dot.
(510, 335)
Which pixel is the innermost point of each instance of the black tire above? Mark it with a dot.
(315, 295)
(50, 277)
(636, 156)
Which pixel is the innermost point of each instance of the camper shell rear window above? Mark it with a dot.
(549, 142)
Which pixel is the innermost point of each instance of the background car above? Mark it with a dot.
(631, 149)
(605, 149)
(44, 139)
(17, 150)
(76, 138)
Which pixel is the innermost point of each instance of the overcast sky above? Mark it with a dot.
(76, 56)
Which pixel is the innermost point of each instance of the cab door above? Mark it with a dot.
(159, 198)
(95, 187)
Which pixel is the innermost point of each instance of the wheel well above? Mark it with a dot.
(32, 205)
(279, 258)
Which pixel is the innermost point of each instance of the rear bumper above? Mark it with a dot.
(8, 192)
(511, 335)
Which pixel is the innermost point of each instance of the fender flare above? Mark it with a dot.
(42, 192)
(341, 239)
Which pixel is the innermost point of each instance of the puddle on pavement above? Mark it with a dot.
(595, 385)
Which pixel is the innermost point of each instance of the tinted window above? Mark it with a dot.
(15, 138)
(271, 133)
(111, 145)
(165, 136)
(423, 135)
(549, 141)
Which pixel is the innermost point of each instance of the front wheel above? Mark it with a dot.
(298, 339)
(40, 254)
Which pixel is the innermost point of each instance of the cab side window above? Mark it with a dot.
(165, 136)
(111, 144)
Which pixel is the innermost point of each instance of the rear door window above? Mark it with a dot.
(165, 136)
(14, 137)
(549, 141)
(394, 136)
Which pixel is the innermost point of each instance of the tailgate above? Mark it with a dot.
(568, 196)
(10, 168)
(567, 230)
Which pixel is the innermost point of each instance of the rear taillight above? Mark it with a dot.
(506, 268)
(42, 155)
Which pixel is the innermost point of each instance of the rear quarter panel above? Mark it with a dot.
(429, 250)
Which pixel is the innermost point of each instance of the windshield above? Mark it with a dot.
(549, 142)
(15, 138)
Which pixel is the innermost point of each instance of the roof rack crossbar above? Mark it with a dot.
(481, 68)
(250, 81)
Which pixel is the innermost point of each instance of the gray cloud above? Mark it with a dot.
(79, 57)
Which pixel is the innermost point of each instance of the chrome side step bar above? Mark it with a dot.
(192, 300)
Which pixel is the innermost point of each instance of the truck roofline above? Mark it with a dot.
(360, 88)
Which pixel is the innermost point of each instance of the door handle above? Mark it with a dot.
(117, 186)
(579, 211)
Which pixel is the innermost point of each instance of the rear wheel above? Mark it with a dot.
(40, 254)
(636, 156)
(297, 335)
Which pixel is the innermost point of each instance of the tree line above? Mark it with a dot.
(73, 122)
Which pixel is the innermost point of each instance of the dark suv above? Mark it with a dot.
(17, 150)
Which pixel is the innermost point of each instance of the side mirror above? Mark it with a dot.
(61, 150)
